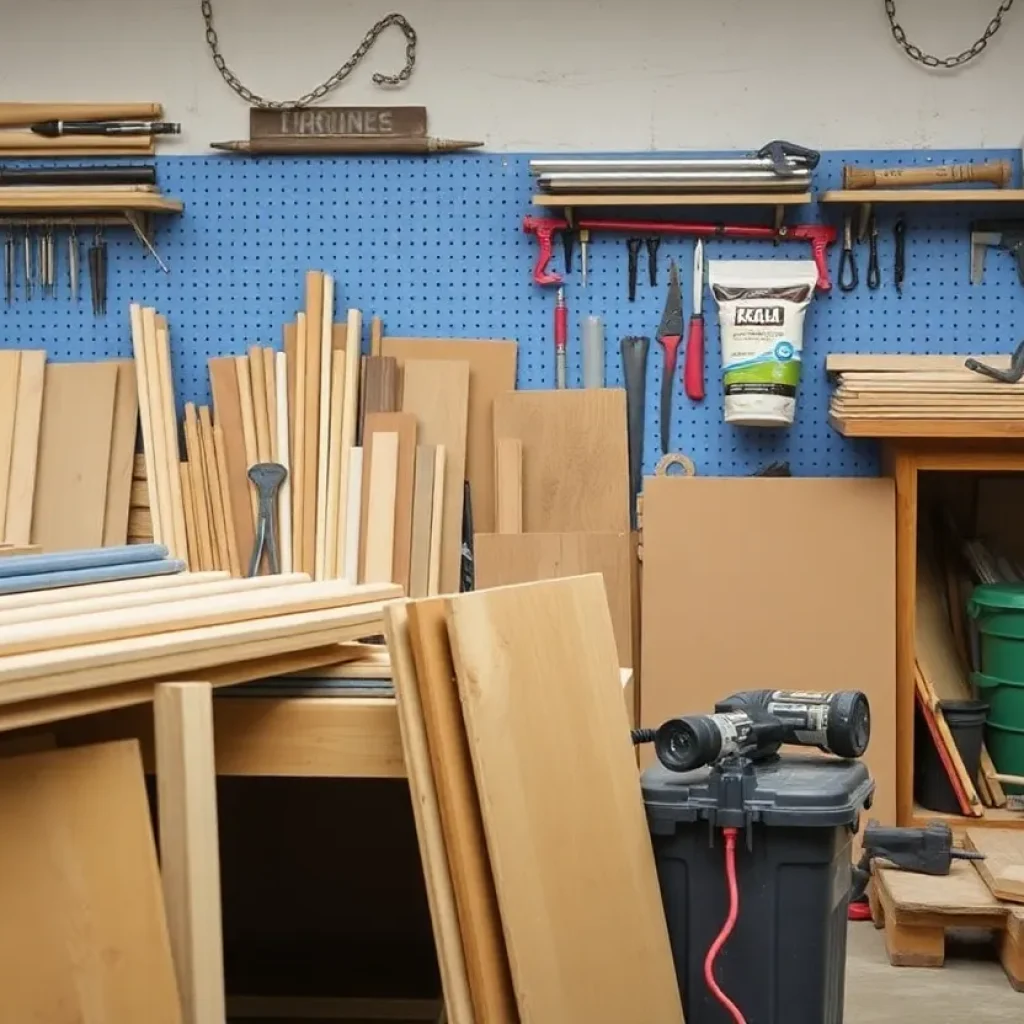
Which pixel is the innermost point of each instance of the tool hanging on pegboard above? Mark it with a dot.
(930, 61)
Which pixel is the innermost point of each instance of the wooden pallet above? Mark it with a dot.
(916, 911)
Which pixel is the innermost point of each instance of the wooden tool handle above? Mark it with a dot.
(14, 115)
(28, 144)
(997, 172)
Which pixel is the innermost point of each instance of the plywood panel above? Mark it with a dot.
(437, 393)
(83, 936)
(778, 583)
(575, 459)
(492, 372)
(122, 455)
(74, 455)
(24, 455)
(505, 559)
(1003, 866)
(227, 413)
(380, 520)
(508, 485)
(548, 733)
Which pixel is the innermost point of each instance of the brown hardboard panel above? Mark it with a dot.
(575, 459)
(548, 733)
(776, 583)
(504, 559)
(380, 390)
(490, 982)
(74, 455)
(492, 372)
(25, 451)
(83, 936)
(436, 392)
(122, 455)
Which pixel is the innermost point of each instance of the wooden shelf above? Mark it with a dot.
(924, 195)
(677, 199)
(911, 428)
(85, 201)
(994, 817)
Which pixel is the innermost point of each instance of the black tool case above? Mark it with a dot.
(785, 962)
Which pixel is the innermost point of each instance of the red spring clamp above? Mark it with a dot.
(545, 228)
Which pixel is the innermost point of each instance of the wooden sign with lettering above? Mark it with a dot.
(338, 122)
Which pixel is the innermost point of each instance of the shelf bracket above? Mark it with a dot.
(136, 224)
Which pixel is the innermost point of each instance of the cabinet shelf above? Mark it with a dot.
(676, 199)
(923, 195)
(84, 200)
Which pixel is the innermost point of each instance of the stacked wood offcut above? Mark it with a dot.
(18, 140)
(878, 387)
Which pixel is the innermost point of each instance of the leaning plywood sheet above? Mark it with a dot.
(437, 393)
(504, 559)
(25, 451)
(70, 503)
(575, 462)
(83, 935)
(490, 982)
(122, 455)
(777, 583)
(1003, 866)
(548, 734)
(440, 896)
(492, 372)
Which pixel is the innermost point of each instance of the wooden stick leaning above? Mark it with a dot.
(197, 479)
(314, 327)
(171, 428)
(11, 371)
(436, 522)
(284, 495)
(323, 430)
(160, 470)
(140, 351)
(299, 445)
(349, 416)
(248, 429)
(234, 562)
(214, 490)
(193, 556)
(353, 500)
(334, 497)
(24, 458)
(258, 394)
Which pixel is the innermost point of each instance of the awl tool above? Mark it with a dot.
(670, 333)
(561, 334)
(693, 367)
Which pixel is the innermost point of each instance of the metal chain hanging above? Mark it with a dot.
(255, 100)
(931, 61)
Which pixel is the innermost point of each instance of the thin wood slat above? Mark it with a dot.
(25, 451)
(314, 341)
(90, 590)
(148, 418)
(284, 494)
(422, 510)
(299, 441)
(10, 371)
(437, 521)
(258, 393)
(380, 520)
(227, 412)
(349, 415)
(323, 430)
(249, 438)
(122, 456)
(198, 490)
(215, 490)
(334, 495)
(162, 350)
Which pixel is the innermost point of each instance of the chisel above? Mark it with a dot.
(634, 365)
(670, 333)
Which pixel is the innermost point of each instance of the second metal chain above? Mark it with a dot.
(255, 100)
(929, 60)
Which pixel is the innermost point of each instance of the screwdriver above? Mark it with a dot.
(693, 366)
(561, 334)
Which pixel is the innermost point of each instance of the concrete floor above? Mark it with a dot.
(971, 987)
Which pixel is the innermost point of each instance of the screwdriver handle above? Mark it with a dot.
(693, 365)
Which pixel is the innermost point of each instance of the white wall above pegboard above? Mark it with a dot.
(530, 75)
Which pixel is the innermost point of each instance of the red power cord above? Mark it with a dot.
(730, 923)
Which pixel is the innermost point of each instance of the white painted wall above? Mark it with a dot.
(548, 74)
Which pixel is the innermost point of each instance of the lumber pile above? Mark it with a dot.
(512, 719)
(67, 436)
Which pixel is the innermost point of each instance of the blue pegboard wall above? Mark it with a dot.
(435, 247)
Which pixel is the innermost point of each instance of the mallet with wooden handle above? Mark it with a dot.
(995, 172)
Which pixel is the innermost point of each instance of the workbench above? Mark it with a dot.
(911, 447)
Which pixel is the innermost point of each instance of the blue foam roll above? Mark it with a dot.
(92, 558)
(98, 574)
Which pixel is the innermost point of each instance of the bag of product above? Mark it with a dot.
(761, 306)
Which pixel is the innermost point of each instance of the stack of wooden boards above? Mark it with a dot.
(67, 440)
(90, 648)
(542, 886)
(16, 140)
(920, 388)
(562, 499)
(917, 910)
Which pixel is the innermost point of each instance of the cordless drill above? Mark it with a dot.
(755, 723)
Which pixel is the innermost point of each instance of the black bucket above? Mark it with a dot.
(966, 721)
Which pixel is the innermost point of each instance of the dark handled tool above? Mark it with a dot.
(926, 851)
(848, 276)
(633, 245)
(143, 175)
(1010, 376)
(98, 273)
(874, 275)
(55, 129)
(693, 367)
(652, 243)
(568, 242)
(899, 267)
(9, 265)
(670, 333)
(779, 153)
(267, 477)
(634, 366)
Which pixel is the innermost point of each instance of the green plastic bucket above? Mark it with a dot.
(1006, 748)
(998, 609)
(1005, 699)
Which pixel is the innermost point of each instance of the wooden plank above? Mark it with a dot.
(249, 439)
(437, 393)
(405, 426)
(150, 420)
(74, 455)
(189, 854)
(299, 449)
(490, 981)
(492, 372)
(575, 461)
(541, 696)
(25, 453)
(163, 357)
(349, 417)
(700, 553)
(194, 556)
(508, 485)
(353, 526)
(324, 435)
(284, 494)
(1002, 870)
(122, 455)
(380, 389)
(197, 489)
(290, 346)
(10, 371)
(216, 490)
(164, 468)
(219, 446)
(380, 523)
(227, 412)
(436, 520)
(440, 895)
(334, 495)
(506, 559)
(49, 598)
(311, 412)
(422, 509)
(258, 395)
(83, 935)
(376, 335)
(961, 893)
(270, 378)
(844, 362)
